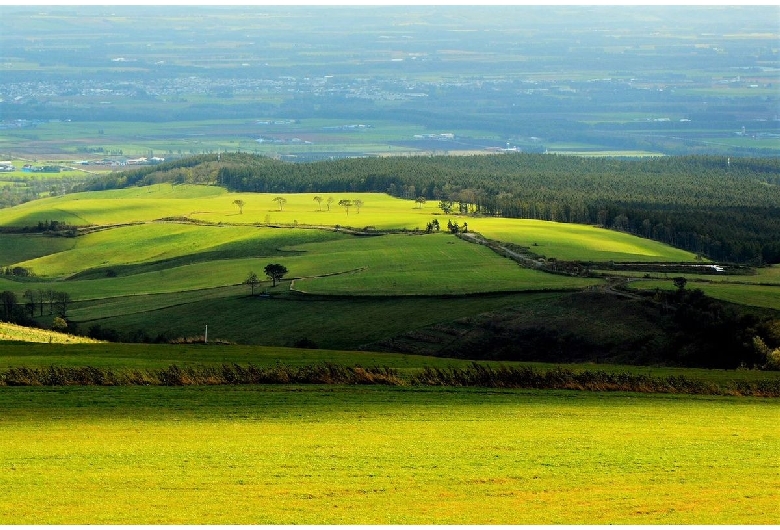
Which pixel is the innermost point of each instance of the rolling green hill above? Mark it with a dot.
(163, 261)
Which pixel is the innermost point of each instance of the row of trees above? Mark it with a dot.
(34, 302)
(281, 201)
(725, 208)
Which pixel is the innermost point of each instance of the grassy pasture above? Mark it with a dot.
(124, 356)
(431, 264)
(370, 455)
(20, 248)
(16, 352)
(435, 264)
(340, 323)
(761, 275)
(175, 243)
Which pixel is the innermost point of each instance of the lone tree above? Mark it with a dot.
(318, 200)
(420, 201)
(346, 203)
(281, 201)
(240, 204)
(252, 280)
(275, 272)
(358, 203)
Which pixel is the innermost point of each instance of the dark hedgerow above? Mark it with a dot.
(474, 375)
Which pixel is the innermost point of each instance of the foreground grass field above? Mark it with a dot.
(373, 455)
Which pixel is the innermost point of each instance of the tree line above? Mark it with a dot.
(727, 209)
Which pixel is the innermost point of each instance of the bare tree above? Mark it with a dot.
(318, 200)
(358, 203)
(252, 280)
(30, 296)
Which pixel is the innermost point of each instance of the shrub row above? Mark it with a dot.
(474, 375)
(227, 374)
(478, 375)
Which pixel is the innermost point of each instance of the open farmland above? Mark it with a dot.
(313, 82)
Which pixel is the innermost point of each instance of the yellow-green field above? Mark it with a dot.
(370, 455)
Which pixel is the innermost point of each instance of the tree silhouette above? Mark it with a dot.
(280, 201)
(275, 272)
(240, 204)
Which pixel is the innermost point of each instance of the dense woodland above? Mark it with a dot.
(727, 209)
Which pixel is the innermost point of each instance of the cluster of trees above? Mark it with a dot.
(702, 331)
(21, 272)
(725, 208)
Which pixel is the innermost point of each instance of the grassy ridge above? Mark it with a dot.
(229, 455)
